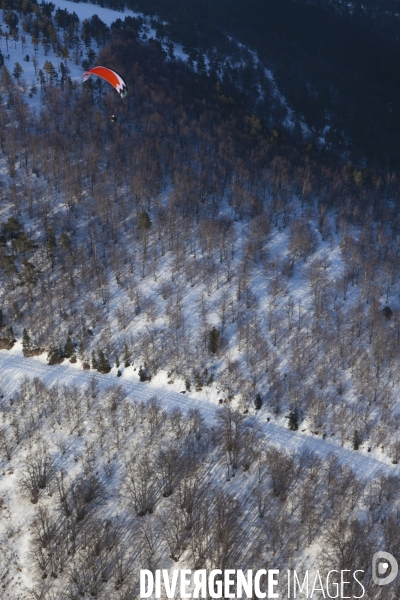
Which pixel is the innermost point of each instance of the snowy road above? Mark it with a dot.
(14, 367)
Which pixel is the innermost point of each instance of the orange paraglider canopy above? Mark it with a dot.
(108, 75)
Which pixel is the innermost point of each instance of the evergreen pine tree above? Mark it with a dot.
(293, 420)
(10, 335)
(144, 220)
(42, 79)
(94, 360)
(201, 64)
(50, 241)
(117, 361)
(26, 343)
(64, 242)
(127, 356)
(18, 70)
(213, 340)
(198, 382)
(170, 47)
(143, 374)
(69, 346)
(6, 77)
(356, 440)
(258, 402)
(54, 356)
(387, 312)
(1, 318)
(103, 364)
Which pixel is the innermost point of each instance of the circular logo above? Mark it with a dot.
(381, 562)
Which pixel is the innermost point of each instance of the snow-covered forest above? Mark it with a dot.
(199, 320)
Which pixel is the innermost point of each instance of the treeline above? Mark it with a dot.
(111, 485)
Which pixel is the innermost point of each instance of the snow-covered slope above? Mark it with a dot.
(76, 446)
(278, 274)
(17, 51)
(14, 368)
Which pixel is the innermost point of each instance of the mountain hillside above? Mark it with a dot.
(199, 302)
(336, 63)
